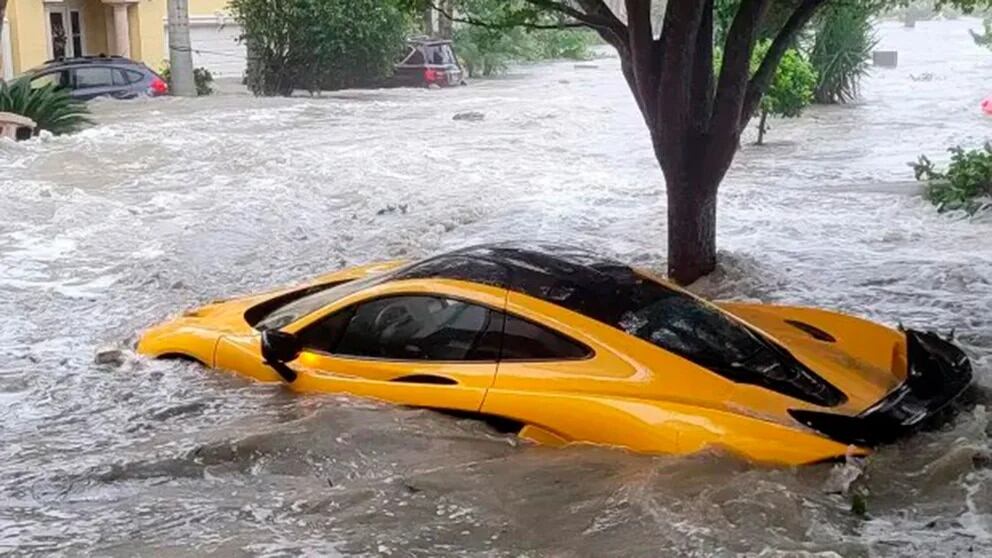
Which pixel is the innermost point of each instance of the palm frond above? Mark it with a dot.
(52, 108)
(841, 52)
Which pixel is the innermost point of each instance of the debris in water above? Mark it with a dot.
(982, 460)
(109, 356)
(859, 503)
(393, 209)
(842, 476)
(471, 116)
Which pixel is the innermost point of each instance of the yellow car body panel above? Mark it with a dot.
(627, 392)
(661, 427)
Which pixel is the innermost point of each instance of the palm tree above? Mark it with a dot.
(841, 52)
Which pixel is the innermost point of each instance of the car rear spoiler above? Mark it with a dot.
(938, 373)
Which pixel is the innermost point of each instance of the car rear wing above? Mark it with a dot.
(938, 373)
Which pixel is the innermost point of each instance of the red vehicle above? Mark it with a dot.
(428, 62)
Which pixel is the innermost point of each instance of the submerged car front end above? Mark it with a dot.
(196, 333)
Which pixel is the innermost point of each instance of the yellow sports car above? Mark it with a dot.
(569, 347)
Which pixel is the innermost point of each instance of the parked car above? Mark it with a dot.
(88, 77)
(427, 62)
(564, 346)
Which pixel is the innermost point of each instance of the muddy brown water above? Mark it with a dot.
(170, 203)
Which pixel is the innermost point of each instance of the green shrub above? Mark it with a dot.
(985, 37)
(201, 77)
(841, 51)
(791, 90)
(556, 44)
(319, 44)
(52, 108)
(966, 184)
(485, 51)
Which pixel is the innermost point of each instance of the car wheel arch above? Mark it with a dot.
(180, 356)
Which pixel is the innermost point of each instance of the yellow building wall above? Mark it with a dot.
(94, 19)
(207, 7)
(146, 19)
(27, 33)
(134, 28)
(148, 32)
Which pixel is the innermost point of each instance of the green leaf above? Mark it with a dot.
(52, 108)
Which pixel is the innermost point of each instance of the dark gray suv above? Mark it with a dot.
(88, 77)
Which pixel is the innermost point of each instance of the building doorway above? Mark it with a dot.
(64, 24)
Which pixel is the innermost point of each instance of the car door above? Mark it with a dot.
(58, 78)
(124, 81)
(89, 82)
(418, 349)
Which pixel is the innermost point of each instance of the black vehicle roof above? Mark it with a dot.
(82, 60)
(571, 277)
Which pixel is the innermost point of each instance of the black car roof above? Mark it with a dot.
(571, 277)
(82, 60)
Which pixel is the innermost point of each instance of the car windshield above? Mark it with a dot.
(705, 335)
(300, 307)
(689, 327)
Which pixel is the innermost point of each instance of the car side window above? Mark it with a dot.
(93, 77)
(525, 340)
(408, 328)
(58, 79)
(125, 77)
(414, 58)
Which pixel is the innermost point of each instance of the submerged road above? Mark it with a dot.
(171, 202)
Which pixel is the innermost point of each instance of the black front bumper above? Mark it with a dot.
(939, 372)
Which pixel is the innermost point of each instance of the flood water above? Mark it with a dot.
(171, 203)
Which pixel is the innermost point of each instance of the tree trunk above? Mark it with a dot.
(762, 127)
(428, 21)
(444, 25)
(691, 230)
(695, 115)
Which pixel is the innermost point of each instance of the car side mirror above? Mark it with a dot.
(278, 348)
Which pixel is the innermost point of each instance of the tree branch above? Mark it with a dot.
(676, 50)
(643, 58)
(762, 78)
(702, 78)
(494, 25)
(736, 68)
(606, 23)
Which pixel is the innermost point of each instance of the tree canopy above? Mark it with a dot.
(695, 116)
(319, 44)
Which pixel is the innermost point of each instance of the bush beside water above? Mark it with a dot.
(965, 185)
(201, 77)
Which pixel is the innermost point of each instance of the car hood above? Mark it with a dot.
(864, 360)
